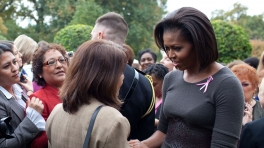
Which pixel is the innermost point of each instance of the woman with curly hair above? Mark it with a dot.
(49, 67)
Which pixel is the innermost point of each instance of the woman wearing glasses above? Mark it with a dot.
(49, 67)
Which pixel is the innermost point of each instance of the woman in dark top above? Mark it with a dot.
(198, 109)
(157, 72)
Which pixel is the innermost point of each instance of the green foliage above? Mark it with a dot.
(253, 25)
(47, 17)
(2, 37)
(232, 41)
(73, 36)
(86, 13)
(141, 17)
(13, 30)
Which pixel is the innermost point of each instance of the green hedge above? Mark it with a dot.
(2, 37)
(232, 41)
(73, 36)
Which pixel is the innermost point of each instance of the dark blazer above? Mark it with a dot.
(24, 129)
(140, 101)
(253, 135)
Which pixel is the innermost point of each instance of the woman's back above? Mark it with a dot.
(110, 129)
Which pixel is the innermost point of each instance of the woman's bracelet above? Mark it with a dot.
(30, 90)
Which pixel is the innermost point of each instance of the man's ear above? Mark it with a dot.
(100, 35)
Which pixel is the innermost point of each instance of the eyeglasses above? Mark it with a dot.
(53, 61)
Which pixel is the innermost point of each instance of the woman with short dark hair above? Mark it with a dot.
(26, 121)
(200, 108)
(94, 78)
(157, 73)
(146, 57)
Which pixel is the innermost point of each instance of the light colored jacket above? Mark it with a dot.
(66, 130)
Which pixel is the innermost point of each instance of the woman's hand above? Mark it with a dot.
(137, 144)
(36, 104)
(247, 114)
(27, 84)
(156, 122)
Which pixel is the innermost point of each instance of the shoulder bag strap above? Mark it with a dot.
(90, 128)
(130, 91)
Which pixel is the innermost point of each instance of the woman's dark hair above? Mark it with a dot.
(4, 48)
(94, 71)
(154, 56)
(158, 70)
(196, 28)
(38, 59)
(252, 61)
(9, 44)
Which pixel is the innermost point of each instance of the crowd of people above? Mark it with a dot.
(96, 97)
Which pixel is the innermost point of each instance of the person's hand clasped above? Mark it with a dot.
(247, 114)
(137, 144)
(36, 104)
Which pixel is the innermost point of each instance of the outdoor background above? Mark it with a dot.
(239, 25)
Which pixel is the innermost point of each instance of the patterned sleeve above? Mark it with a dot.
(117, 136)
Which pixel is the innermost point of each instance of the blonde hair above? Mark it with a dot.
(26, 46)
(260, 65)
(233, 63)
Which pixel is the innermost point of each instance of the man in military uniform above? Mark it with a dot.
(136, 91)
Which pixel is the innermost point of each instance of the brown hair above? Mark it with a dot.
(196, 28)
(38, 59)
(246, 71)
(94, 71)
(129, 53)
(117, 27)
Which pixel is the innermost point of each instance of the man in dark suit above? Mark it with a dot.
(139, 99)
(253, 135)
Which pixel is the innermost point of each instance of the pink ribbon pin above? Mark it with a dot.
(205, 85)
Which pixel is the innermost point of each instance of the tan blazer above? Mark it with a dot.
(66, 130)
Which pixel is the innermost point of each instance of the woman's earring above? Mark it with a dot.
(254, 96)
(40, 76)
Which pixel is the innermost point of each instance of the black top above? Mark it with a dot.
(253, 135)
(140, 101)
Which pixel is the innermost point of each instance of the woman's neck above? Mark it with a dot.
(8, 88)
(55, 86)
(193, 76)
(158, 99)
(251, 102)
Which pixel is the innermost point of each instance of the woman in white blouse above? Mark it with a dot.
(27, 122)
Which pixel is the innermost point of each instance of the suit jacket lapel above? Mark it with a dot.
(17, 109)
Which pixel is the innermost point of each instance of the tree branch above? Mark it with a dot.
(4, 6)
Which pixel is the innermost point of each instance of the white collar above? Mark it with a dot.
(16, 88)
